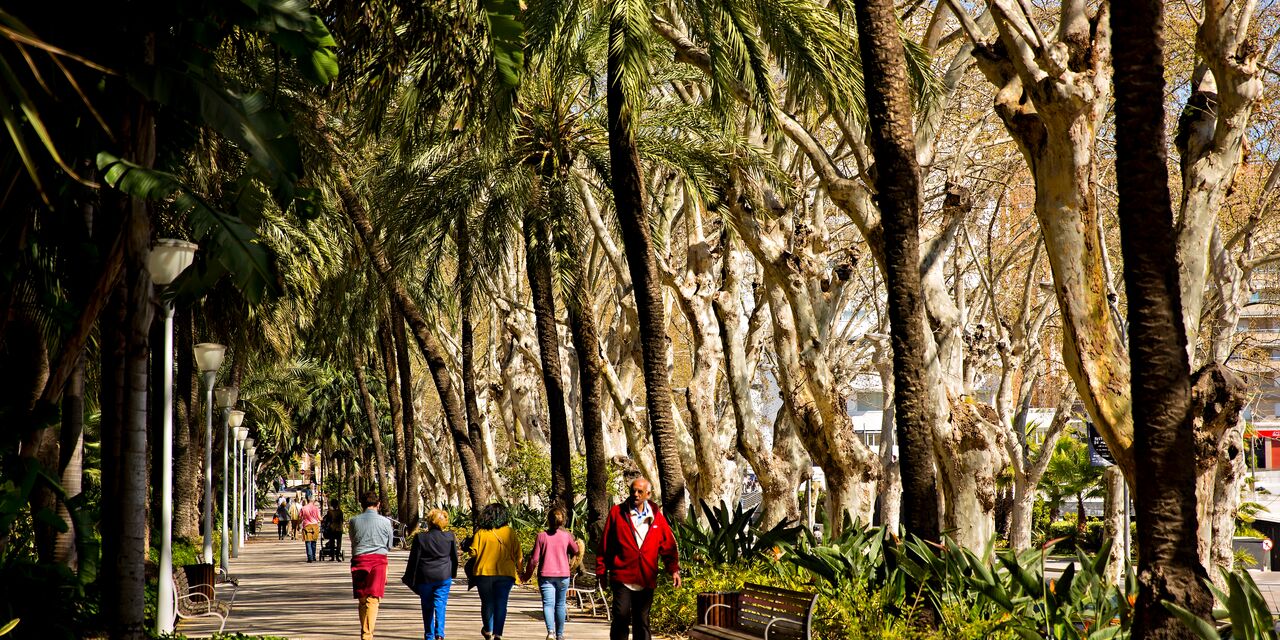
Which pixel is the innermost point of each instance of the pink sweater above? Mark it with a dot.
(310, 514)
(551, 554)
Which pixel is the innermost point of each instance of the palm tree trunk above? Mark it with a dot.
(391, 372)
(24, 353)
(538, 265)
(410, 470)
(127, 618)
(432, 351)
(375, 433)
(471, 398)
(1169, 568)
(628, 195)
(898, 196)
(112, 401)
(66, 551)
(582, 325)
(188, 436)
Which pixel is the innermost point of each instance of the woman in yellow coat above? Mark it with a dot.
(498, 556)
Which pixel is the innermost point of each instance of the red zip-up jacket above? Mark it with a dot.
(627, 563)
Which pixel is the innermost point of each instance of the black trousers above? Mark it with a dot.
(630, 612)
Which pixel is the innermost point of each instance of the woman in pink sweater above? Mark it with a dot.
(550, 555)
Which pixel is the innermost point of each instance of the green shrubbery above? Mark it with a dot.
(1067, 533)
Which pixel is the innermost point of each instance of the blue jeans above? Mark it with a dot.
(494, 591)
(434, 596)
(311, 550)
(554, 591)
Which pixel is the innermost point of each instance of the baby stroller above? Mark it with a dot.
(332, 547)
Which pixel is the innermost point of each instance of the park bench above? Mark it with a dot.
(198, 600)
(757, 611)
(224, 577)
(399, 534)
(586, 587)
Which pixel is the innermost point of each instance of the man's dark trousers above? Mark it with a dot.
(630, 612)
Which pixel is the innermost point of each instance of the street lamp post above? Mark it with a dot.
(234, 418)
(253, 483)
(227, 397)
(209, 358)
(167, 259)
(241, 434)
(245, 508)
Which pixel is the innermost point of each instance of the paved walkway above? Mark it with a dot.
(281, 594)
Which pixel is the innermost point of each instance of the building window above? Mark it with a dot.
(871, 439)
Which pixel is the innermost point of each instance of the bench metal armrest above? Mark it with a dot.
(706, 617)
(774, 621)
(192, 595)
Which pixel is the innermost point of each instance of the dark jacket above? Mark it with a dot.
(623, 560)
(434, 557)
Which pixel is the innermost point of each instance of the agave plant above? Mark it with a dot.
(1004, 586)
(1245, 611)
(729, 537)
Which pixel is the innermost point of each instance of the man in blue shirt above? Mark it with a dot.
(370, 543)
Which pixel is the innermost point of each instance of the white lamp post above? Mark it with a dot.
(226, 398)
(167, 259)
(253, 482)
(247, 490)
(241, 434)
(234, 419)
(209, 359)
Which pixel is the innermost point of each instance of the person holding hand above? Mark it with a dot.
(550, 557)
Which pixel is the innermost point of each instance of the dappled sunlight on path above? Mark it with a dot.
(281, 594)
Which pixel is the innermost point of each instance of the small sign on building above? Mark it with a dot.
(1099, 452)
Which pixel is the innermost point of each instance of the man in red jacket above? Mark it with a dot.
(635, 536)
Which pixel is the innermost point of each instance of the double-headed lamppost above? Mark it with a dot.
(247, 507)
(241, 434)
(167, 259)
(209, 359)
(226, 398)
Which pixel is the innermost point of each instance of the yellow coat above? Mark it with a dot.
(497, 552)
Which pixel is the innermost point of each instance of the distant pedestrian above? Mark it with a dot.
(370, 543)
(331, 529)
(282, 518)
(311, 528)
(635, 535)
(433, 564)
(295, 518)
(310, 491)
(550, 556)
(498, 558)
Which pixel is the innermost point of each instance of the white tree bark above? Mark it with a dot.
(1114, 523)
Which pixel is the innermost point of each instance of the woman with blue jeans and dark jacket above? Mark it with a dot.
(433, 564)
(550, 555)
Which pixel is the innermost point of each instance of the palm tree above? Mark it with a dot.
(898, 196)
(432, 351)
(628, 26)
(1169, 568)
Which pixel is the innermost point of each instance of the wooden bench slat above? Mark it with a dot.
(780, 609)
(758, 606)
(702, 632)
(773, 595)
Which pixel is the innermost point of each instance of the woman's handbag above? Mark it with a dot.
(470, 570)
(275, 519)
